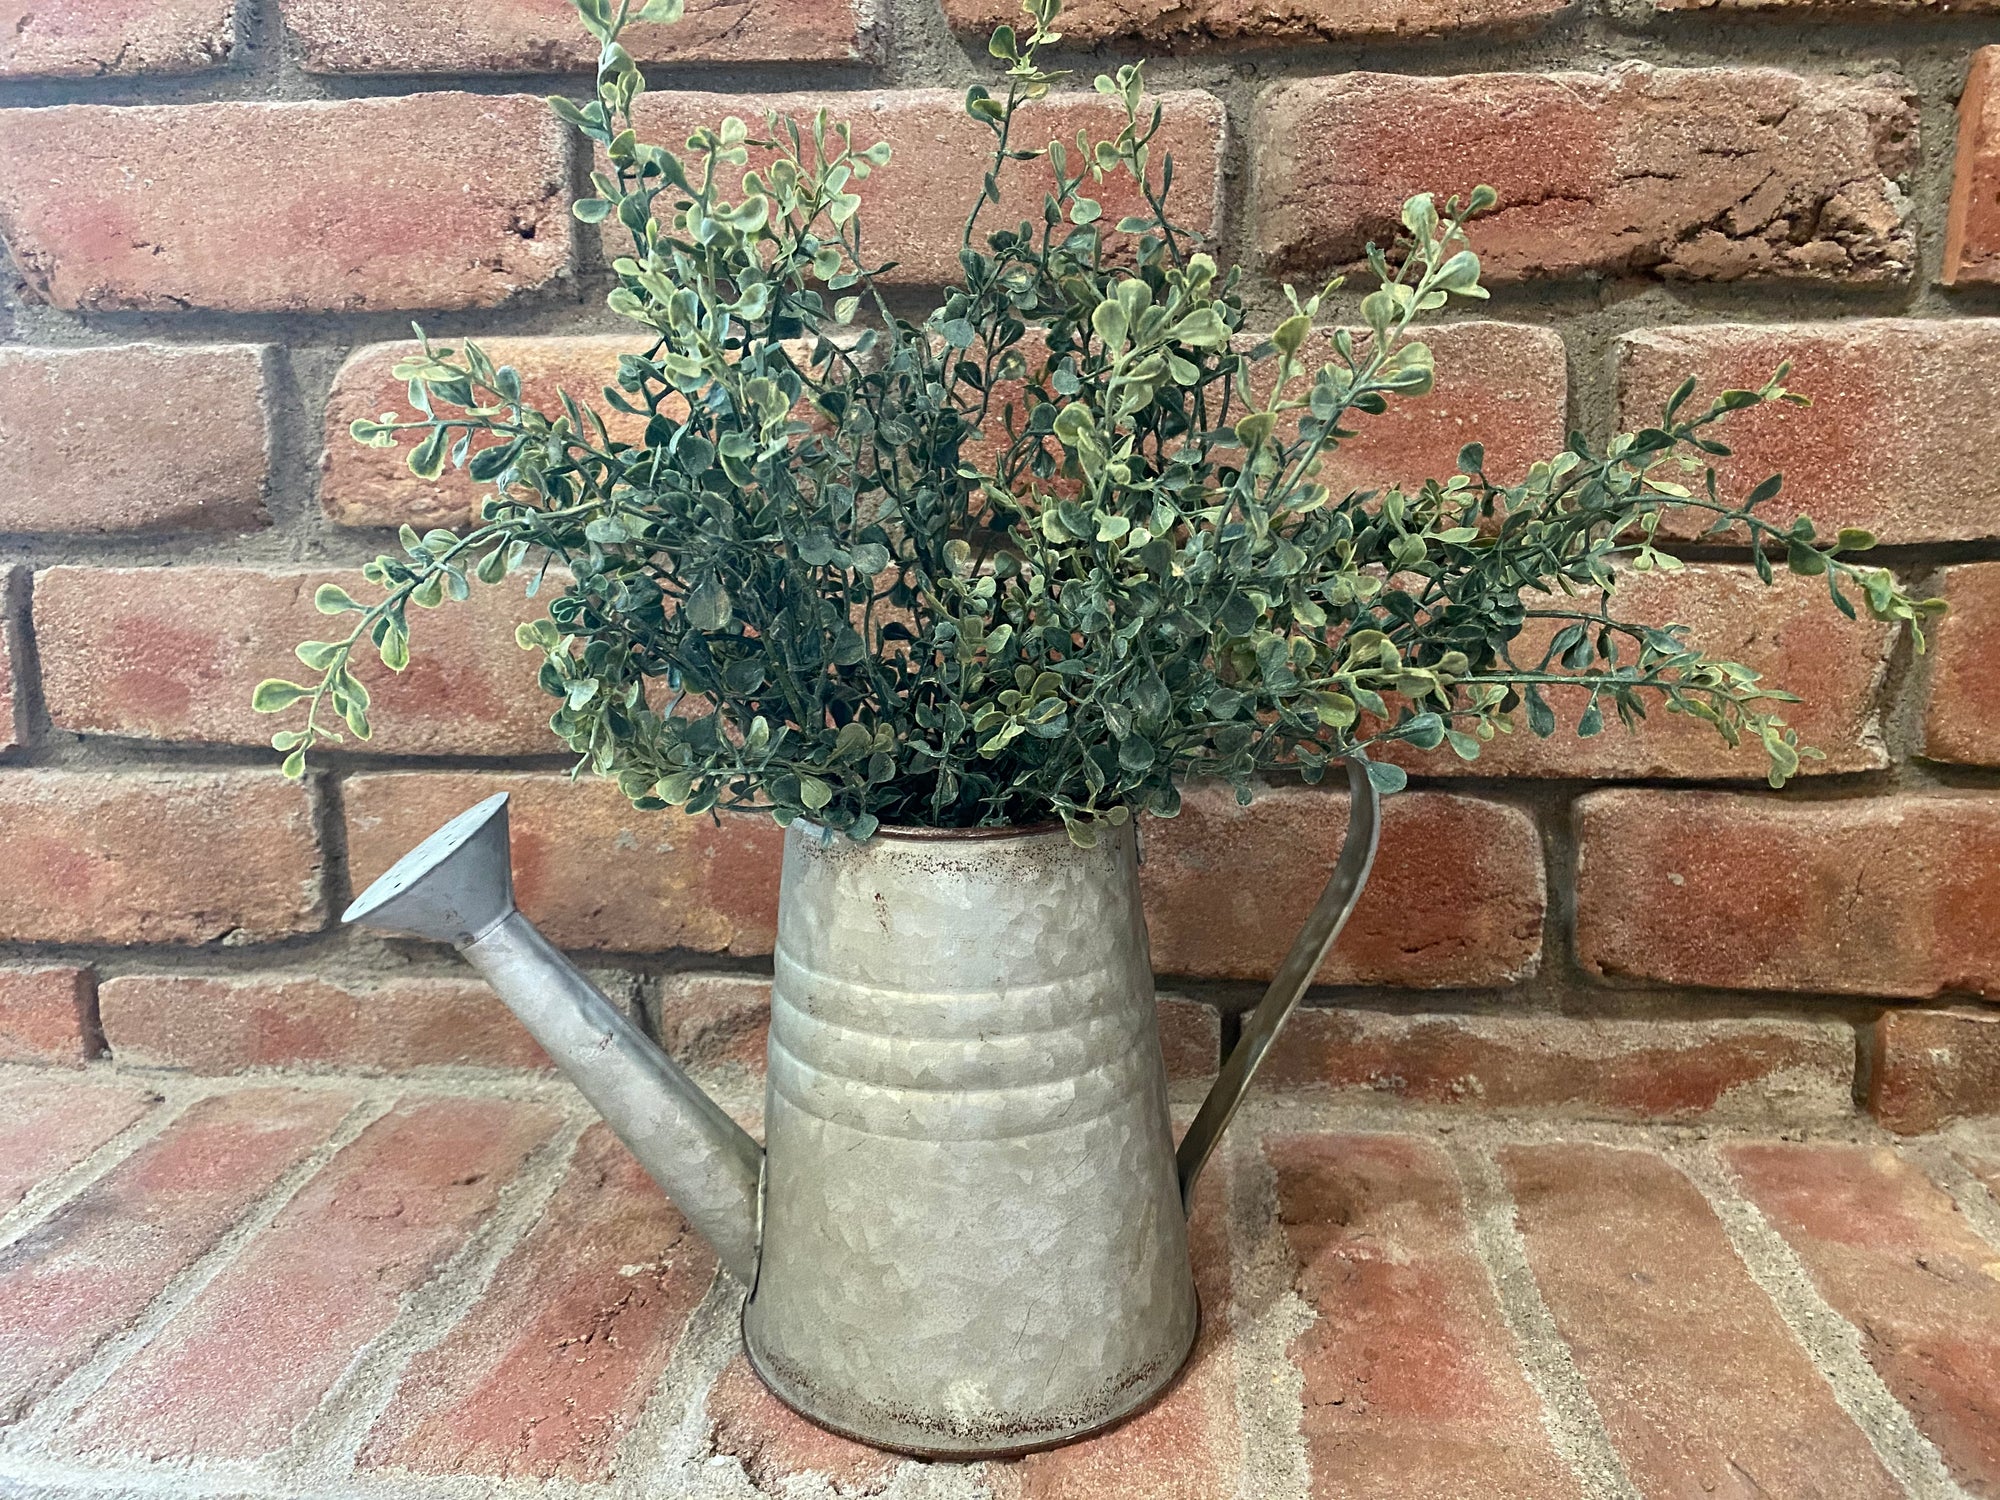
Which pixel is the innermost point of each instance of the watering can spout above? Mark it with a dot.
(457, 887)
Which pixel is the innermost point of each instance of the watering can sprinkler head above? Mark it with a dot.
(457, 887)
(452, 888)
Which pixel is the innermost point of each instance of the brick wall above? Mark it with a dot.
(221, 222)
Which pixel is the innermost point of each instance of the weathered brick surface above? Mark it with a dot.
(1927, 1068)
(1456, 898)
(1708, 174)
(1190, 1444)
(1972, 227)
(1788, 633)
(95, 38)
(1895, 440)
(86, 1272)
(915, 208)
(362, 486)
(712, 1021)
(1890, 1252)
(546, 1372)
(591, 870)
(1412, 1384)
(745, 1422)
(237, 1369)
(1157, 21)
(220, 1024)
(174, 653)
(1501, 384)
(1962, 715)
(48, 1014)
(1892, 895)
(1646, 1290)
(1774, 1071)
(134, 437)
(50, 1123)
(342, 198)
(543, 36)
(157, 857)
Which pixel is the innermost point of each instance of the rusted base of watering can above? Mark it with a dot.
(861, 1421)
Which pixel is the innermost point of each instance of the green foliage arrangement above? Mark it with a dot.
(1055, 548)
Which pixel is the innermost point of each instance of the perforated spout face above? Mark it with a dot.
(450, 888)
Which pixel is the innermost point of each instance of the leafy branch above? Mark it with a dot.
(1055, 547)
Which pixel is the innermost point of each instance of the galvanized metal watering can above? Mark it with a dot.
(965, 1234)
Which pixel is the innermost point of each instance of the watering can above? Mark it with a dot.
(965, 1234)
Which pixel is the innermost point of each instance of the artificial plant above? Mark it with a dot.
(1054, 548)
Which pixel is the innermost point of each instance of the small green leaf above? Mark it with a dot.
(709, 607)
(1387, 779)
(274, 694)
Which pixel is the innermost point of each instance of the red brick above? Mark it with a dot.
(1646, 1289)
(1895, 438)
(130, 652)
(913, 210)
(1962, 716)
(1094, 22)
(135, 437)
(342, 198)
(1638, 1069)
(50, 1123)
(590, 869)
(13, 656)
(85, 1273)
(215, 1024)
(157, 857)
(544, 1375)
(1456, 899)
(544, 36)
(1500, 384)
(773, 1443)
(95, 38)
(1927, 1068)
(361, 486)
(1892, 895)
(1189, 1444)
(1412, 1385)
(234, 1373)
(711, 1021)
(49, 1015)
(1972, 226)
(1789, 633)
(1710, 174)
(1890, 1252)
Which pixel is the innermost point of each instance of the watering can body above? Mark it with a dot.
(965, 1234)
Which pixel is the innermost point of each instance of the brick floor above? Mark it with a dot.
(399, 1290)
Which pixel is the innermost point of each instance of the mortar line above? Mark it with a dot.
(1269, 1314)
(1569, 1413)
(55, 1409)
(48, 1196)
(1833, 1343)
(329, 1440)
(669, 1430)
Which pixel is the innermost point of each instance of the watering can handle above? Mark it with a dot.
(1309, 950)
